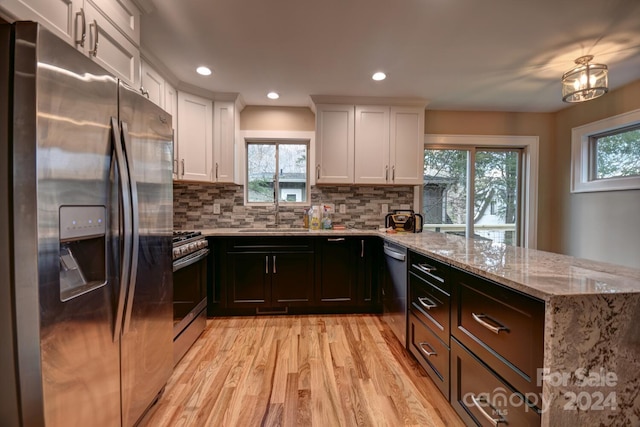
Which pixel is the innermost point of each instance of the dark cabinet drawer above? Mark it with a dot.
(430, 270)
(431, 352)
(430, 304)
(480, 397)
(501, 326)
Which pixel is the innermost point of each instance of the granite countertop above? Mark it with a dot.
(537, 273)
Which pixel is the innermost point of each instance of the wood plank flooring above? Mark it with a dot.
(329, 370)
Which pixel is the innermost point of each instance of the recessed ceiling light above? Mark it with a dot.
(379, 76)
(273, 95)
(203, 71)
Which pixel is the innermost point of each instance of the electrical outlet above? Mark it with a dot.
(216, 208)
(385, 208)
(343, 208)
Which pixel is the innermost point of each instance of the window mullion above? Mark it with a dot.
(471, 189)
(276, 178)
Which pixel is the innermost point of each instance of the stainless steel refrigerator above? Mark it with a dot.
(86, 222)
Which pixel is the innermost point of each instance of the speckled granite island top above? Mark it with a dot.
(536, 273)
(592, 313)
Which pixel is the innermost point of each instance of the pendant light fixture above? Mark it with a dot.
(584, 82)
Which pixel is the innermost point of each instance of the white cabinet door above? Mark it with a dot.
(372, 145)
(171, 107)
(195, 119)
(59, 16)
(110, 48)
(334, 144)
(407, 145)
(152, 85)
(224, 131)
(124, 15)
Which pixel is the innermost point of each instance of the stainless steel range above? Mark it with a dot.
(190, 252)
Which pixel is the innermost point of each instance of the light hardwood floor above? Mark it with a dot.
(329, 370)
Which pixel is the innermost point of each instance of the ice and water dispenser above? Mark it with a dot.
(83, 261)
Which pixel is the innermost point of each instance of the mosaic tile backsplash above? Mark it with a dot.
(193, 206)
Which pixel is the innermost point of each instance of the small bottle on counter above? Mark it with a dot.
(315, 218)
(326, 218)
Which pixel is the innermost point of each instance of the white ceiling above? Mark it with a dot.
(499, 55)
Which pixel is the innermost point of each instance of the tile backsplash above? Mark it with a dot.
(193, 206)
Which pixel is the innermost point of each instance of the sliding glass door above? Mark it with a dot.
(474, 191)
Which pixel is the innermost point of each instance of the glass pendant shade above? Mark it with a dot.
(584, 82)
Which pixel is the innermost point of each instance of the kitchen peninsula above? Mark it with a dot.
(591, 347)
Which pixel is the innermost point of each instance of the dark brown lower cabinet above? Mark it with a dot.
(337, 273)
(430, 351)
(268, 274)
(296, 274)
(482, 398)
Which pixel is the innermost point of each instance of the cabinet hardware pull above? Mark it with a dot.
(495, 329)
(362, 248)
(83, 37)
(318, 171)
(216, 170)
(393, 173)
(336, 239)
(274, 265)
(430, 352)
(266, 264)
(425, 267)
(386, 173)
(175, 166)
(182, 161)
(480, 402)
(94, 51)
(427, 303)
(144, 92)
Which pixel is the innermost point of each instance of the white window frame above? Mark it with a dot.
(581, 180)
(531, 148)
(269, 136)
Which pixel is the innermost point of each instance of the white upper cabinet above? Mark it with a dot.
(334, 144)
(124, 15)
(406, 145)
(225, 124)
(110, 48)
(152, 84)
(171, 107)
(369, 144)
(59, 16)
(372, 145)
(195, 119)
(389, 144)
(105, 30)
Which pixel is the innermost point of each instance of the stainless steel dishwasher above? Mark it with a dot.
(394, 290)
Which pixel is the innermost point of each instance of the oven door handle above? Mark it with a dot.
(185, 262)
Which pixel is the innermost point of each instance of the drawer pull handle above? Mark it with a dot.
(480, 402)
(426, 268)
(427, 303)
(337, 239)
(495, 329)
(430, 352)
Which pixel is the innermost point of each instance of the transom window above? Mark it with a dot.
(277, 172)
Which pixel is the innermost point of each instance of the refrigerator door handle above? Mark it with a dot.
(126, 230)
(135, 225)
